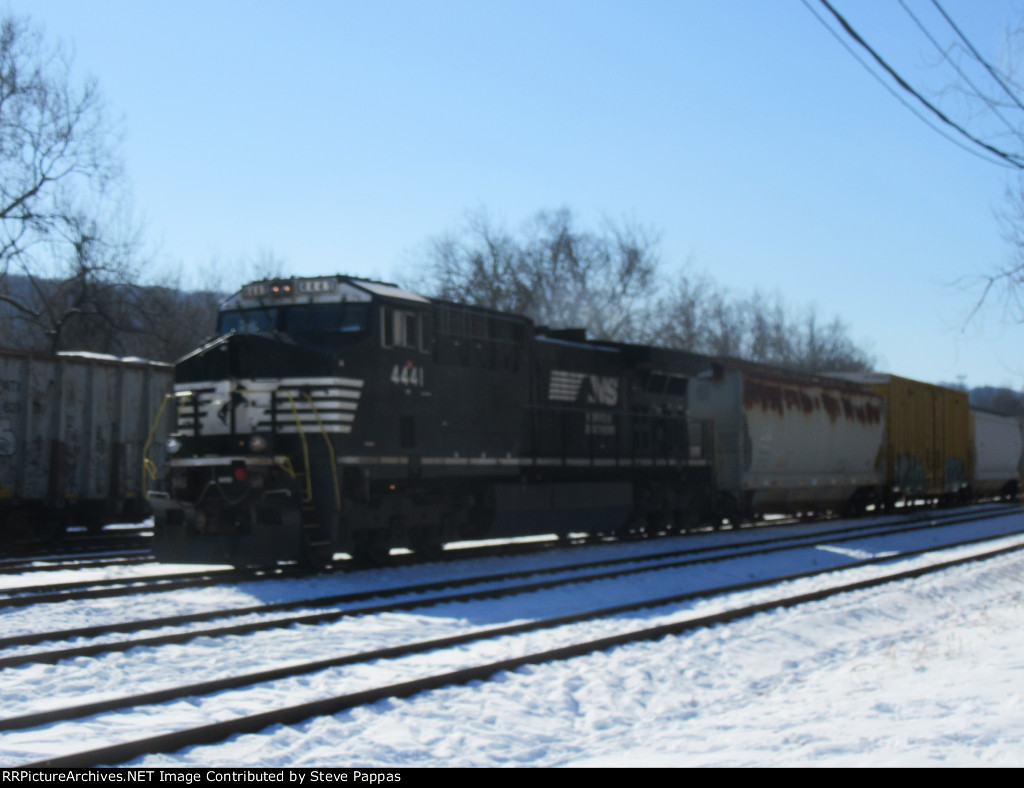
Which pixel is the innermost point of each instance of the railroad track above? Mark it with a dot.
(214, 732)
(75, 542)
(99, 560)
(125, 586)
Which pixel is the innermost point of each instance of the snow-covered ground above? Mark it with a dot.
(922, 672)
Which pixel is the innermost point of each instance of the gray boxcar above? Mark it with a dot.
(791, 443)
(72, 431)
(997, 449)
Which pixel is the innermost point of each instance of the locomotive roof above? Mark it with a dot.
(316, 289)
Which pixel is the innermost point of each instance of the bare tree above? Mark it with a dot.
(480, 265)
(1004, 283)
(699, 317)
(551, 271)
(175, 321)
(609, 283)
(67, 246)
(682, 319)
(605, 282)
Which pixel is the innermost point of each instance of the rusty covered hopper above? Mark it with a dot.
(788, 442)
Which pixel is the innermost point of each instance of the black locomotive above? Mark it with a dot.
(336, 414)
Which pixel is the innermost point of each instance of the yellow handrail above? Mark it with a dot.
(330, 450)
(305, 448)
(148, 466)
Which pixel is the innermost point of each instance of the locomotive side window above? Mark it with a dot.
(401, 328)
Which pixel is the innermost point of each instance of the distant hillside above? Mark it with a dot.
(999, 400)
(159, 323)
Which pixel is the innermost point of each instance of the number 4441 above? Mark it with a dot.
(407, 375)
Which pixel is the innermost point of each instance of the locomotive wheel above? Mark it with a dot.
(658, 523)
(684, 520)
(428, 544)
(51, 525)
(317, 559)
(633, 529)
(371, 549)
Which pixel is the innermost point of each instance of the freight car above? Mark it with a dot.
(927, 439)
(790, 443)
(997, 454)
(337, 414)
(73, 427)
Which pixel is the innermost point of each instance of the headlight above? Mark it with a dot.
(257, 443)
(173, 445)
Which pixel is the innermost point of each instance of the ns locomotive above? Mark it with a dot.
(336, 414)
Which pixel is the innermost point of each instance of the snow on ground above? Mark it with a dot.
(921, 672)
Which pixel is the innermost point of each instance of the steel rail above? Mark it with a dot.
(215, 732)
(54, 656)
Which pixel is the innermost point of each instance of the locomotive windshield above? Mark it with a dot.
(321, 326)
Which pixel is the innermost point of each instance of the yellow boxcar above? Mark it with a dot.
(927, 437)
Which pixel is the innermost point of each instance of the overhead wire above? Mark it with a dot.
(978, 57)
(924, 119)
(990, 103)
(1013, 159)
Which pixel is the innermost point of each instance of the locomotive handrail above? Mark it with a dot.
(305, 446)
(330, 448)
(149, 468)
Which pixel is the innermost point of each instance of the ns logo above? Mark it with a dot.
(603, 391)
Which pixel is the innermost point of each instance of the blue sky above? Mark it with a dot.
(340, 136)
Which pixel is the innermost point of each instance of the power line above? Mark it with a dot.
(937, 129)
(989, 103)
(978, 56)
(1011, 159)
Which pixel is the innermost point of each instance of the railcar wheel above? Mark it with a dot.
(857, 506)
(17, 525)
(729, 510)
(51, 525)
